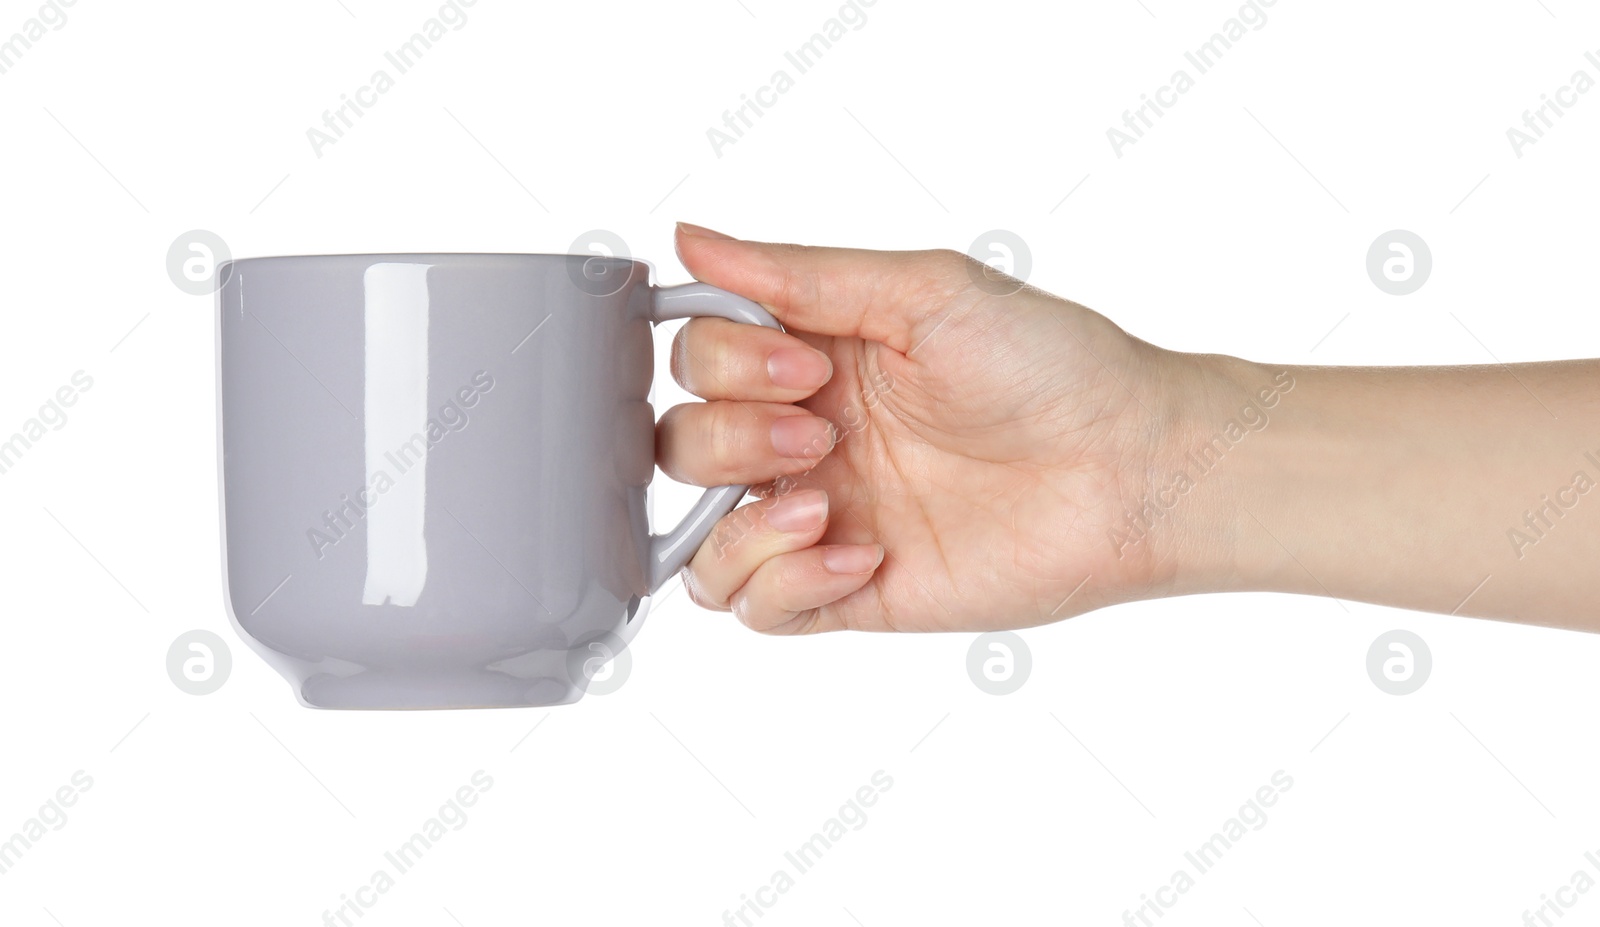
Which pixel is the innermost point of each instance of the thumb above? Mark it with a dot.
(893, 297)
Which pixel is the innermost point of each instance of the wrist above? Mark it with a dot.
(1215, 466)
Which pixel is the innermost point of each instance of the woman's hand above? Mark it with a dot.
(929, 453)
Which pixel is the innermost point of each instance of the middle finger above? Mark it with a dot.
(723, 443)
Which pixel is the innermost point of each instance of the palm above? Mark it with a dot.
(939, 460)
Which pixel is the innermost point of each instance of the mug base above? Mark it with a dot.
(421, 690)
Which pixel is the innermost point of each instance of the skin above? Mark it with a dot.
(935, 447)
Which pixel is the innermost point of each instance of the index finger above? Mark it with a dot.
(887, 296)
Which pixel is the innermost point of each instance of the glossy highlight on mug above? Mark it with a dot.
(396, 407)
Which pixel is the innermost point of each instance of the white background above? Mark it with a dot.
(1239, 224)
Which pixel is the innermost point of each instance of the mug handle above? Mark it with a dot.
(671, 552)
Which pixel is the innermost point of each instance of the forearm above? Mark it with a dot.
(1473, 490)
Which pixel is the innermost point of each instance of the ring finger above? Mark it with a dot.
(750, 536)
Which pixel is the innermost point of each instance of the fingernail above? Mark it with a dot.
(700, 231)
(802, 436)
(856, 558)
(801, 511)
(798, 368)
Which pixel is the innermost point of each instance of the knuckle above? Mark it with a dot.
(781, 591)
(947, 265)
(731, 534)
(947, 259)
(943, 273)
(703, 359)
(699, 595)
(680, 362)
(728, 431)
(716, 348)
(749, 614)
(799, 287)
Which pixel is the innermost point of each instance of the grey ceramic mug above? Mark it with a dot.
(435, 470)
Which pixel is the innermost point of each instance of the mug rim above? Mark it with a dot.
(423, 256)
